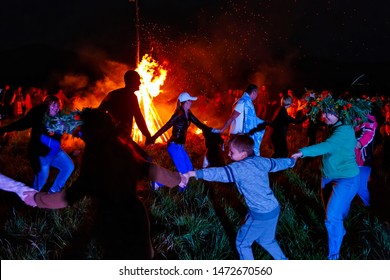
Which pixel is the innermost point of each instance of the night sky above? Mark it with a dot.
(211, 45)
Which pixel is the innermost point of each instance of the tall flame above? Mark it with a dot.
(152, 78)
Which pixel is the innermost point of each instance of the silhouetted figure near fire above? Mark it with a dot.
(122, 105)
(109, 172)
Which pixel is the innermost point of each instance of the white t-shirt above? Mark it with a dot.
(237, 125)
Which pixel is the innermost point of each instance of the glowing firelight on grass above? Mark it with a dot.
(153, 76)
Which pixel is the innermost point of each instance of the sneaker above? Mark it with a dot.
(333, 257)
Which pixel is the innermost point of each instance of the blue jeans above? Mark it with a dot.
(337, 208)
(59, 160)
(180, 157)
(261, 231)
(363, 192)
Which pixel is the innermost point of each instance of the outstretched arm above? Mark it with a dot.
(49, 200)
(233, 116)
(10, 185)
(164, 176)
(140, 121)
(163, 129)
(186, 177)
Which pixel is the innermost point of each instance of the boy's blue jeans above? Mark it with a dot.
(180, 157)
(261, 231)
(363, 192)
(59, 160)
(337, 209)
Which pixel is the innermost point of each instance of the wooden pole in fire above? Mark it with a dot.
(136, 32)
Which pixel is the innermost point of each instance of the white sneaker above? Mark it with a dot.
(156, 186)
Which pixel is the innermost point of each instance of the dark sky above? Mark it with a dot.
(213, 45)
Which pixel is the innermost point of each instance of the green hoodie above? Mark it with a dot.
(338, 152)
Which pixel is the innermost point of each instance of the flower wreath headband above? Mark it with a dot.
(352, 111)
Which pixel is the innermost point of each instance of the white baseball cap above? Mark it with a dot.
(185, 96)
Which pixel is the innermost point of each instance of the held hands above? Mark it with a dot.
(29, 198)
(185, 178)
(296, 155)
(259, 127)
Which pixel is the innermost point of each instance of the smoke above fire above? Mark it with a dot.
(238, 43)
(231, 47)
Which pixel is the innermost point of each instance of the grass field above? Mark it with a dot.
(201, 223)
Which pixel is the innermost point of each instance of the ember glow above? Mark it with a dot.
(153, 77)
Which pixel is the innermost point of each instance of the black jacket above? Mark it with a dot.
(34, 120)
(180, 124)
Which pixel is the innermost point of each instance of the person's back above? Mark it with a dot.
(109, 172)
(279, 124)
(122, 105)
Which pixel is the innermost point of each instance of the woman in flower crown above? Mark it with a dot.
(44, 148)
(340, 172)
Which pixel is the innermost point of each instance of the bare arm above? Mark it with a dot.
(164, 176)
(233, 116)
(49, 200)
(10, 185)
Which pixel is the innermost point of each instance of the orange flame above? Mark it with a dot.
(152, 78)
